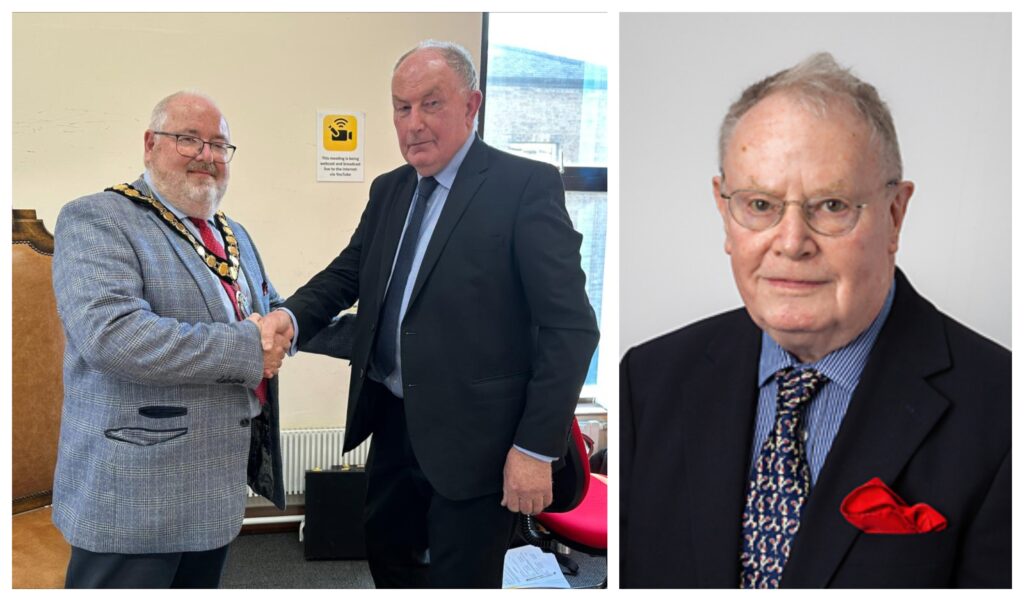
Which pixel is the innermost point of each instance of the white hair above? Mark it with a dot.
(159, 115)
(816, 81)
(458, 58)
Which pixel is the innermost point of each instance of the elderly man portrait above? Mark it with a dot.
(838, 430)
(170, 396)
(472, 339)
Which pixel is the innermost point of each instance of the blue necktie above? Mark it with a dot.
(779, 483)
(387, 330)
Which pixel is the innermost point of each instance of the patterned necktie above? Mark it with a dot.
(387, 330)
(779, 485)
(214, 246)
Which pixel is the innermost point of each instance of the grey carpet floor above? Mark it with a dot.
(276, 561)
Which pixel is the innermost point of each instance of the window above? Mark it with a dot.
(545, 83)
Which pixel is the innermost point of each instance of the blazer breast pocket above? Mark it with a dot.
(901, 549)
(162, 411)
(897, 561)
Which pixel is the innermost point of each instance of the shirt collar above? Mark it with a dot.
(842, 366)
(446, 177)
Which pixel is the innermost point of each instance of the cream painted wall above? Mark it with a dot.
(84, 85)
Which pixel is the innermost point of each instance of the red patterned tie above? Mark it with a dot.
(231, 289)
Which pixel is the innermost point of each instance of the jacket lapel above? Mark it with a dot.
(890, 415)
(471, 175)
(195, 266)
(718, 435)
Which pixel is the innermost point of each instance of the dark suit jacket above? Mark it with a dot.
(930, 417)
(498, 332)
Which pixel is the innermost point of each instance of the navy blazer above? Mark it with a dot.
(930, 417)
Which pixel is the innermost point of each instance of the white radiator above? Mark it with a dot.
(314, 448)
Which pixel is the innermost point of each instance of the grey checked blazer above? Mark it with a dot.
(158, 411)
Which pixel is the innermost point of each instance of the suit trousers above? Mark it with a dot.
(416, 538)
(190, 569)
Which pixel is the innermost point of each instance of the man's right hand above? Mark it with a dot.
(276, 337)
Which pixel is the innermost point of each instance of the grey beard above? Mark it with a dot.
(194, 200)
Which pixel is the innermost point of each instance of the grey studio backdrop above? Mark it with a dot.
(946, 79)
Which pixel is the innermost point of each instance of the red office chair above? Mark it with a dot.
(578, 517)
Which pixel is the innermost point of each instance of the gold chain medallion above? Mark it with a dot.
(225, 270)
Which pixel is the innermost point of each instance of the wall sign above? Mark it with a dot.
(340, 146)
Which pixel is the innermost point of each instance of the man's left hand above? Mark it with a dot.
(527, 483)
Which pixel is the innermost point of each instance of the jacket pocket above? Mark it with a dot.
(500, 386)
(162, 411)
(144, 437)
(518, 375)
(901, 550)
(486, 242)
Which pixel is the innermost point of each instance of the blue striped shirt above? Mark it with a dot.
(825, 413)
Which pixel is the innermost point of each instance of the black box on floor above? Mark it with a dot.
(334, 514)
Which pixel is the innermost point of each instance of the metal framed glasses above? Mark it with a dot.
(192, 146)
(826, 215)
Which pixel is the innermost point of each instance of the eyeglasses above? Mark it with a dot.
(828, 215)
(191, 146)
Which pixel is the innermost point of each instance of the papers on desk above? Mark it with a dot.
(529, 567)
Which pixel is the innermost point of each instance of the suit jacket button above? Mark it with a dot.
(244, 423)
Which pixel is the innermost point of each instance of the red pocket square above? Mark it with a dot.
(874, 508)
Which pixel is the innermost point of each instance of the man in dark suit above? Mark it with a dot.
(472, 340)
(751, 440)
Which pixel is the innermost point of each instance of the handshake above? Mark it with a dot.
(276, 336)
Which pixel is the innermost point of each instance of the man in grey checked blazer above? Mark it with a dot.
(162, 424)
